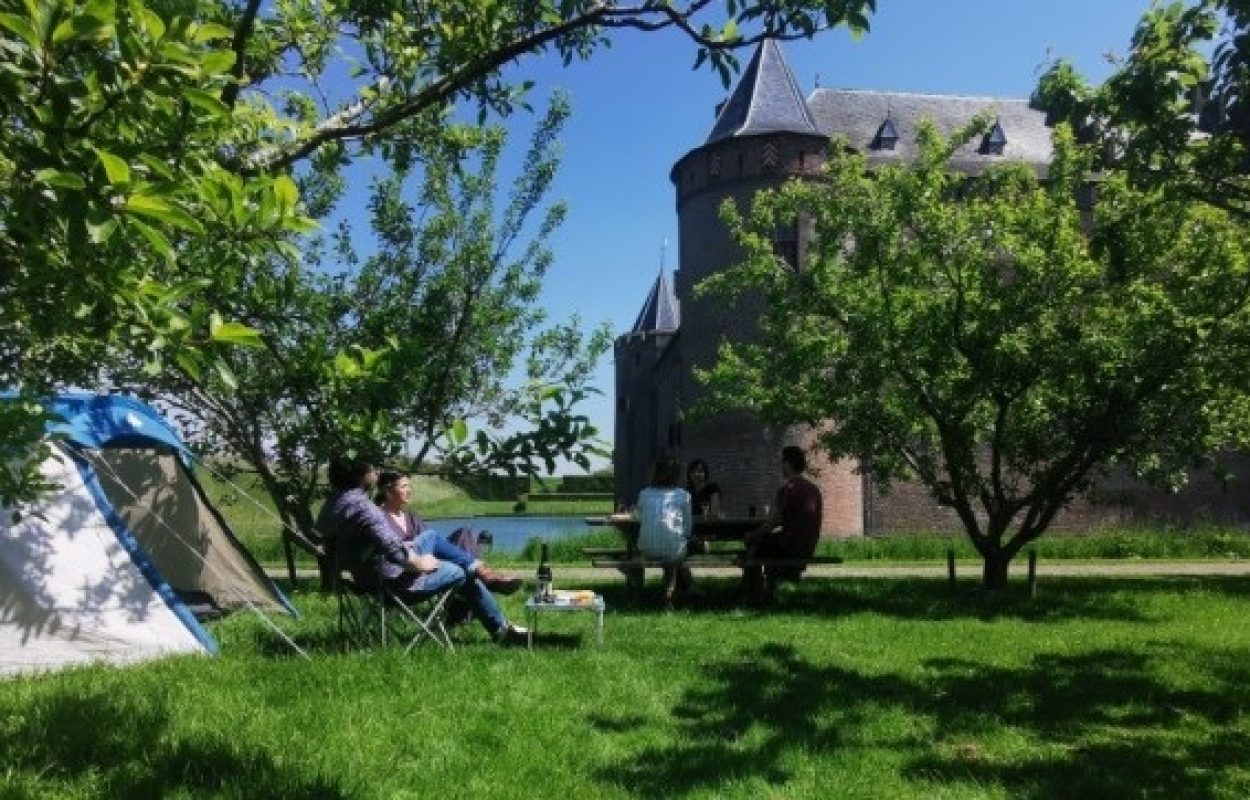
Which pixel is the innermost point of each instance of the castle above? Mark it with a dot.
(767, 133)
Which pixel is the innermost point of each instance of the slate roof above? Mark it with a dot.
(858, 115)
(662, 310)
(766, 100)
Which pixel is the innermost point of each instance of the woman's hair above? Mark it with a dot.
(696, 462)
(387, 479)
(667, 472)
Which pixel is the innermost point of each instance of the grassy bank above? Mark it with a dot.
(852, 689)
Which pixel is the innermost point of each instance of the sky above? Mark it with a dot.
(638, 107)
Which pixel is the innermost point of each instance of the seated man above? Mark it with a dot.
(371, 546)
(791, 530)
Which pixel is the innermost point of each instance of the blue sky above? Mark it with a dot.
(638, 107)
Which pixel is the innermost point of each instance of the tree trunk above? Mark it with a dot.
(994, 573)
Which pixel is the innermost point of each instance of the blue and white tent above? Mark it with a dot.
(108, 565)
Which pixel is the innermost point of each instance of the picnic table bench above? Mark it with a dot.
(634, 566)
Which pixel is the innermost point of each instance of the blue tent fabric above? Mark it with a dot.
(97, 421)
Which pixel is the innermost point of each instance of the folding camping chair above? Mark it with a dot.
(375, 615)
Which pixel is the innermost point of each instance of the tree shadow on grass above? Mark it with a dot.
(913, 598)
(1102, 722)
(122, 747)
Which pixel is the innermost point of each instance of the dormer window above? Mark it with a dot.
(887, 135)
(994, 141)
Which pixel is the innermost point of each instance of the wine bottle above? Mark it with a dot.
(543, 592)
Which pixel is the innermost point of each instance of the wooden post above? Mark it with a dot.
(289, 551)
(1032, 573)
(950, 566)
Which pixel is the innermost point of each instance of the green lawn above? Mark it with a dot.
(1099, 688)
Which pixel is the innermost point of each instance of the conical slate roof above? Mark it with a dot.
(766, 100)
(662, 311)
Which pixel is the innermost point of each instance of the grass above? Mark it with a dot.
(851, 689)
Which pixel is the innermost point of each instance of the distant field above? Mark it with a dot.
(250, 513)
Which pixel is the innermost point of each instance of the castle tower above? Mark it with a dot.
(763, 136)
(646, 401)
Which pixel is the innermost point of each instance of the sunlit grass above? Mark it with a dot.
(850, 689)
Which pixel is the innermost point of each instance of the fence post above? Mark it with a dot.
(950, 566)
(1032, 573)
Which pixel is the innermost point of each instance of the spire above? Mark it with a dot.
(766, 100)
(661, 312)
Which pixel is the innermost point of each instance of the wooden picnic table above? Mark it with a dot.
(709, 529)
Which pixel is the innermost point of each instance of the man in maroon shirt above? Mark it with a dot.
(791, 530)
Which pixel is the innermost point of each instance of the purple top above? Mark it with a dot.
(351, 521)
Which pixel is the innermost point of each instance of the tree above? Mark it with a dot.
(401, 349)
(150, 141)
(1170, 116)
(992, 338)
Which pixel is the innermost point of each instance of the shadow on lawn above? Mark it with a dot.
(918, 599)
(1102, 724)
(120, 747)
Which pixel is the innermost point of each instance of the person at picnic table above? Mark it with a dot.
(373, 549)
(790, 531)
(394, 494)
(665, 522)
(704, 493)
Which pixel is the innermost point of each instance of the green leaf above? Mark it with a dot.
(22, 28)
(206, 101)
(151, 22)
(80, 26)
(155, 238)
(236, 333)
(59, 179)
(189, 360)
(217, 62)
(459, 432)
(160, 209)
(117, 170)
(286, 191)
(225, 374)
(98, 232)
(211, 32)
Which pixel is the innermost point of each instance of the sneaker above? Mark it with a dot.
(511, 634)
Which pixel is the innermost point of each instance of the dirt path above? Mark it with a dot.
(963, 570)
(970, 569)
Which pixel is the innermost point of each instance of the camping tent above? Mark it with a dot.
(109, 565)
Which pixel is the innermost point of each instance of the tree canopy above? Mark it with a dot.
(152, 142)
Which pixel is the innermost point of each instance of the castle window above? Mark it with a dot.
(994, 141)
(887, 135)
(770, 157)
(713, 167)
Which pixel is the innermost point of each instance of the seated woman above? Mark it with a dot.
(704, 495)
(394, 495)
(664, 524)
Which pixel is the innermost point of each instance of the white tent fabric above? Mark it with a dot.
(71, 593)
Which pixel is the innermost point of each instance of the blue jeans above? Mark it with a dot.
(453, 564)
